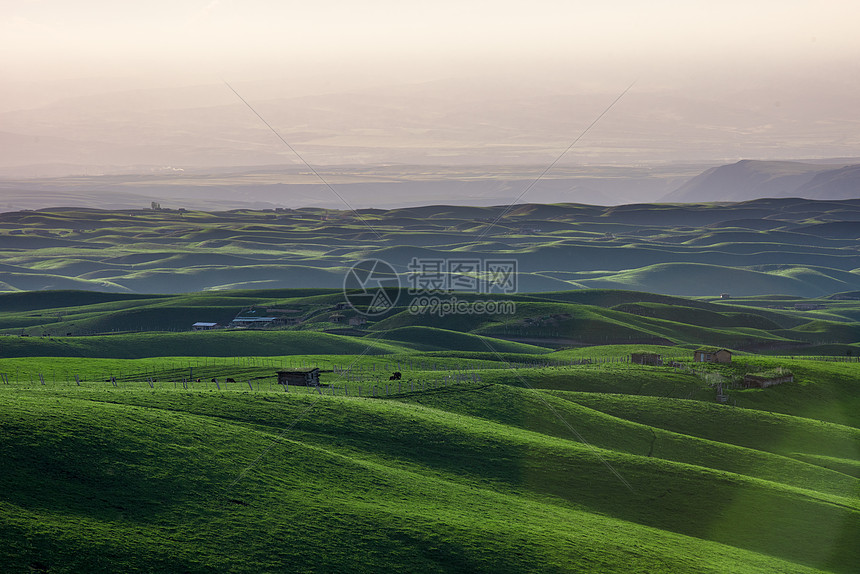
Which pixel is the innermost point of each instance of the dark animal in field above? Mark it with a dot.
(395, 377)
(228, 380)
(199, 381)
(214, 380)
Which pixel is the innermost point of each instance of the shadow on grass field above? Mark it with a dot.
(586, 467)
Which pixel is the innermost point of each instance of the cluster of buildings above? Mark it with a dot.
(700, 355)
(254, 318)
(272, 318)
(720, 355)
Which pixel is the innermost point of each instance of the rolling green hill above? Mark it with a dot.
(685, 278)
(494, 452)
(433, 339)
(519, 440)
(214, 344)
(479, 475)
(40, 323)
(681, 249)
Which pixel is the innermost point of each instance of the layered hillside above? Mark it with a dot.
(794, 247)
(89, 324)
(606, 466)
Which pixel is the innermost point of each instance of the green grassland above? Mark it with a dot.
(516, 442)
(528, 462)
(83, 323)
(678, 249)
(520, 441)
(218, 344)
(433, 339)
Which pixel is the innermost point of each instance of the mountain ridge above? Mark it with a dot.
(752, 179)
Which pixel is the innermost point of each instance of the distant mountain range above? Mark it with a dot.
(750, 179)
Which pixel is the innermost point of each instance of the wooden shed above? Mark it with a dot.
(652, 359)
(300, 377)
(765, 380)
(712, 355)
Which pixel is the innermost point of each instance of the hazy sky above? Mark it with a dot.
(754, 54)
(46, 39)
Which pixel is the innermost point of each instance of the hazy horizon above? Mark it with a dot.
(99, 87)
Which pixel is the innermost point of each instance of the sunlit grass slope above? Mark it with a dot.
(211, 343)
(204, 482)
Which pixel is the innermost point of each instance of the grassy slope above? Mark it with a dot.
(587, 316)
(610, 378)
(433, 339)
(545, 412)
(689, 278)
(30, 300)
(211, 343)
(701, 317)
(780, 434)
(591, 324)
(90, 489)
(484, 475)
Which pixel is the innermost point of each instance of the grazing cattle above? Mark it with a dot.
(214, 380)
(229, 380)
(199, 381)
(395, 377)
